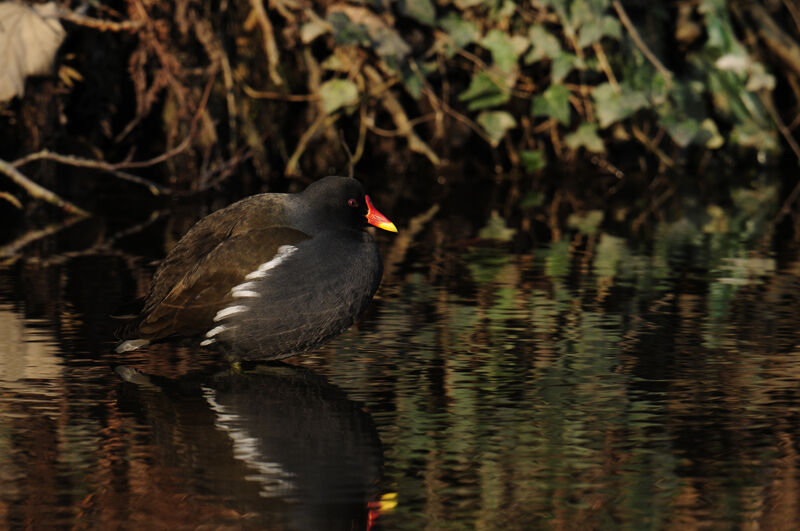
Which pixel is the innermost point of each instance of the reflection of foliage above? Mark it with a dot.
(539, 400)
(548, 77)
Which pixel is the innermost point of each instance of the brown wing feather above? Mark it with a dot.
(196, 291)
(205, 235)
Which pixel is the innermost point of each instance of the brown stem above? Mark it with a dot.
(39, 192)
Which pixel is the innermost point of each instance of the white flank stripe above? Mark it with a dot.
(230, 310)
(284, 251)
(216, 330)
(245, 290)
(207, 342)
(246, 293)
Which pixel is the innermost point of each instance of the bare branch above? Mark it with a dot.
(39, 192)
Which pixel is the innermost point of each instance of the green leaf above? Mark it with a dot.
(414, 79)
(586, 136)
(466, 4)
(484, 92)
(338, 93)
(711, 137)
(347, 32)
(496, 229)
(496, 124)
(423, 11)
(751, 135)
(563, 64)
(532, 160)
(612, 106)
(553, 103)
(682, 131)
(588, 223)
(594, 30)
(545, 45)
(461, 32)
(504, 53)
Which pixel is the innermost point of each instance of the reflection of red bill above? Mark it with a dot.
(377, 219)
(378, 507)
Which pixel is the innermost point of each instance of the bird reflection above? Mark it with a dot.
(280, 444)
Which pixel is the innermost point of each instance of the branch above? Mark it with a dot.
(637, 40)
(270, 47)
(778, 41)
(40, 192)
(71, 160)
(99, 23)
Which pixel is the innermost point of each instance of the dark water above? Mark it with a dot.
(592, 383)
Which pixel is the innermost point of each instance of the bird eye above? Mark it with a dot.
(352, 203)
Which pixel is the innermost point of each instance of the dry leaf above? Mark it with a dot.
(29, 39)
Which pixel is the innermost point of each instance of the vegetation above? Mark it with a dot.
(179, 96)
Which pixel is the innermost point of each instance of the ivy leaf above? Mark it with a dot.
(338, 93)
(614, 106)
(586, 136)
(496, 124)
(423, 11)
(545, 45)
(563, 64)
(461, 32)
(711, 137)
(681, 131)
(553, 103)
(496, 229)
(532, 160)
(595, 29)
(466, 4)
(501, 46)
(587, 223)
(346, 32)
(414, 79)
(484, 92)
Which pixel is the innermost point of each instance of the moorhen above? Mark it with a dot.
(269, 276)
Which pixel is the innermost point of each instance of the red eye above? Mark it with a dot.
(352, 203)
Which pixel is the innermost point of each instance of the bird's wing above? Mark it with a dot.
(315, 292)
(196, 280)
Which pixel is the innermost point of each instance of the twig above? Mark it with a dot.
(641, 218)
(460, 117)
(225, 169)
(322, 121)
(395, 108)
(604, 64)
(347, 152)
(99, 23)
(72, 160)
(787, 134)
(268, 34)
(637, 40)
(266, 95)
(11, 199)
(39, 192)
(646, 142)
(12, 248)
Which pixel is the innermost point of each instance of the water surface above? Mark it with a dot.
(591, 383)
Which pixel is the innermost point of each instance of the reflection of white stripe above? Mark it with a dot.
(275, 480)
(284, 251)
(207, 342)
(230, 310)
